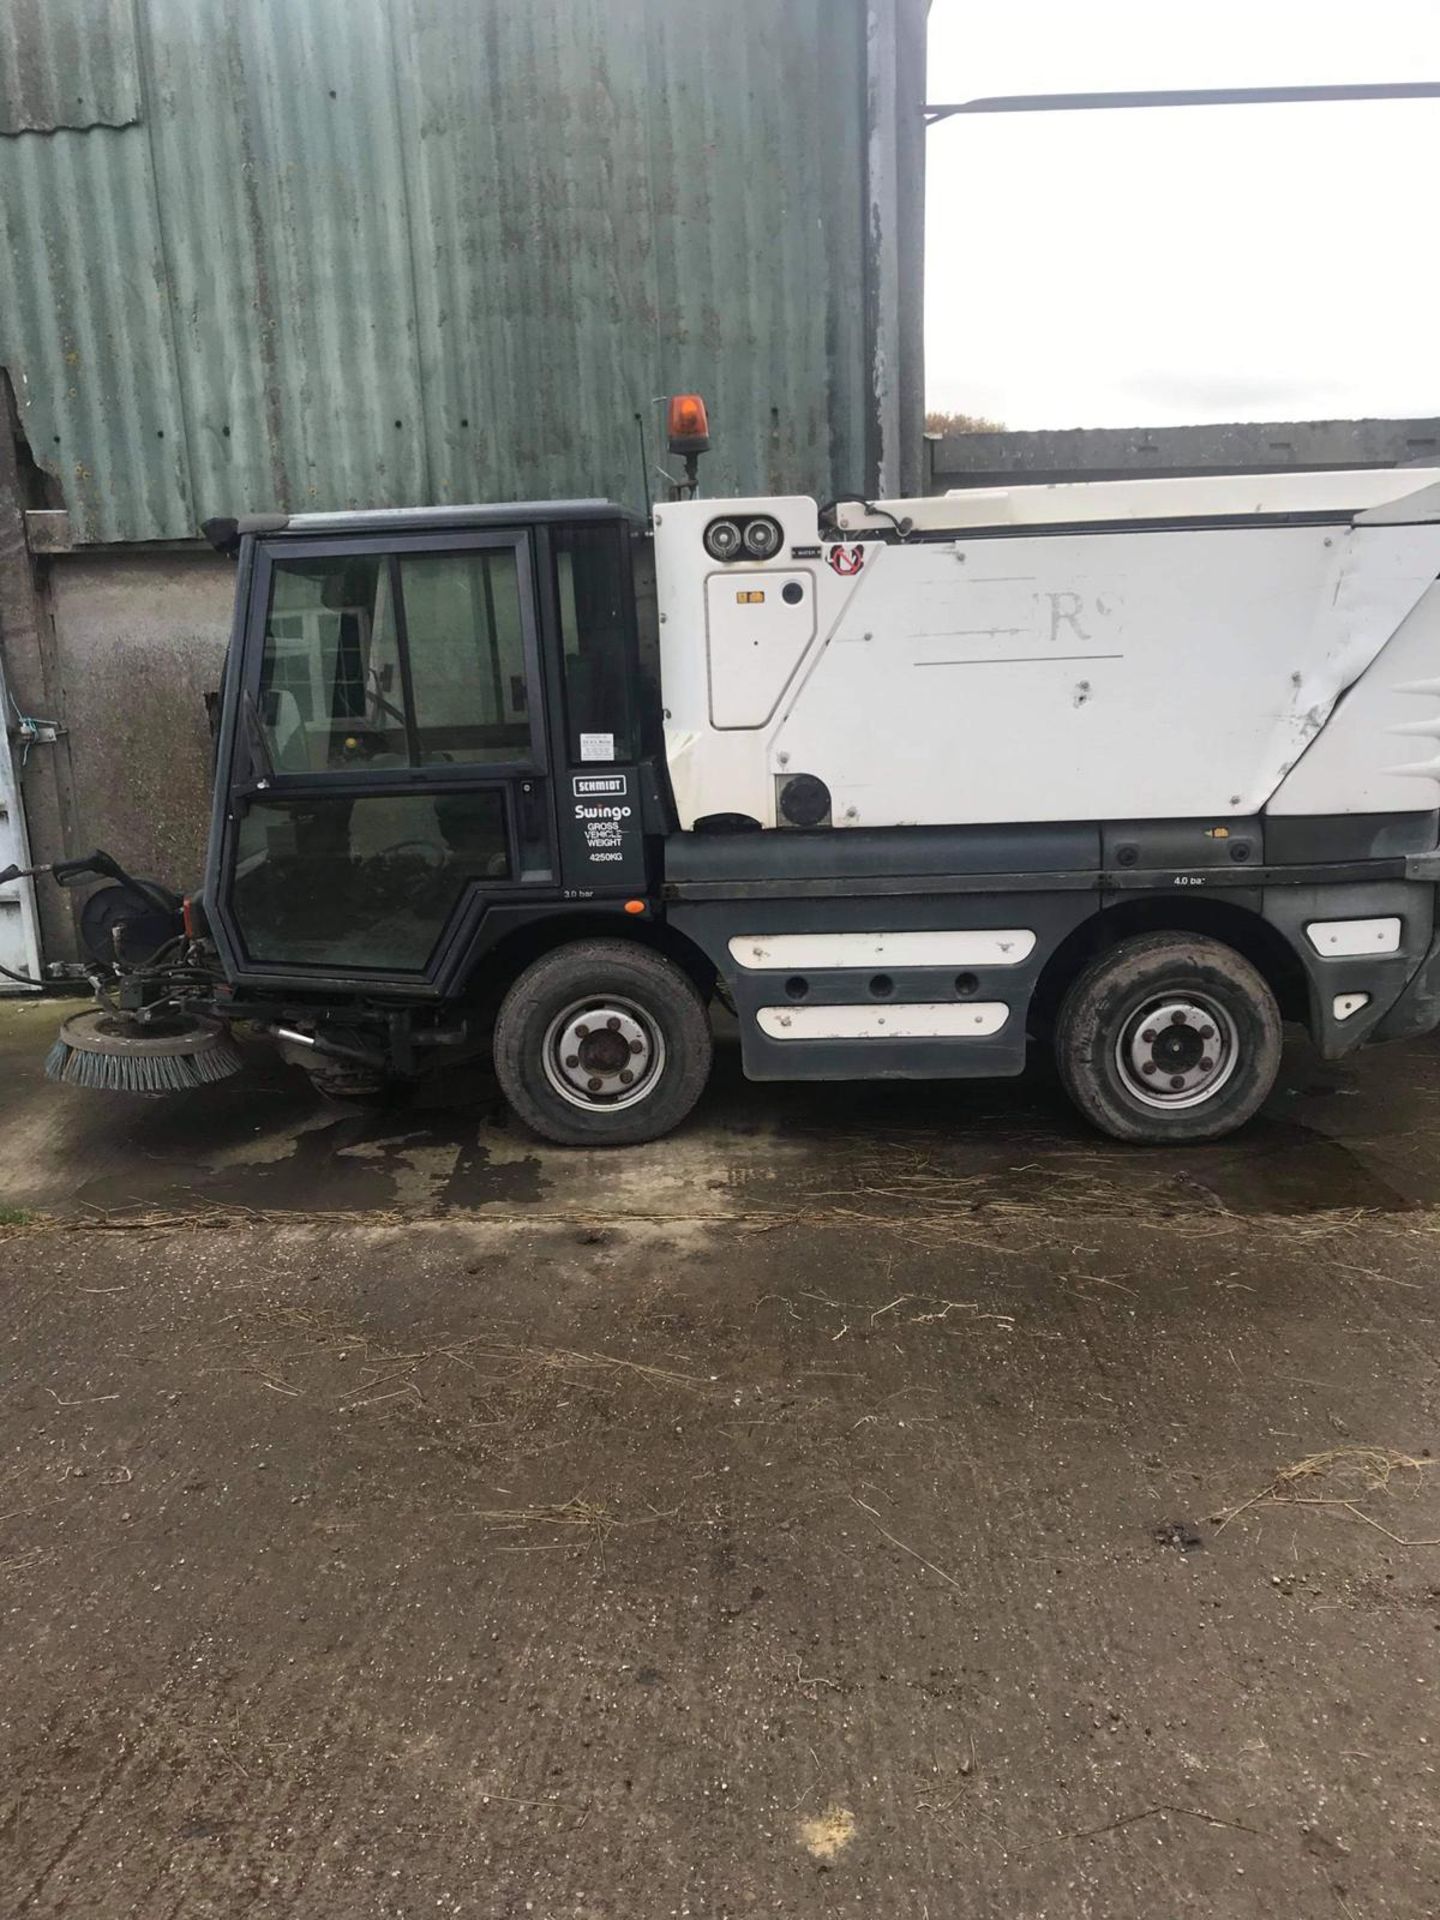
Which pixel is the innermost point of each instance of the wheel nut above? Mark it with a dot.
(637, 1046)
(1178, 1081)
(593, 1084)
(613, 1024)
(1149, 1067)
(1206, 1064)
(572, 1059)
(626, 1076)
(584, 1032)
(1207, 1033)
(1148, 1036)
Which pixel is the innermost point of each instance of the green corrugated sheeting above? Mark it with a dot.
(376, 252)
(68, 63)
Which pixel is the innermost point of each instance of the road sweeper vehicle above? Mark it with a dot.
(1134, 770)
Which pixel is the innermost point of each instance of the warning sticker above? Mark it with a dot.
(597, 746)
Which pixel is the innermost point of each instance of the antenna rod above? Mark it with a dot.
(1186, 97)
(644, 465)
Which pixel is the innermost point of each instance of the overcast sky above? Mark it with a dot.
(1212, 263)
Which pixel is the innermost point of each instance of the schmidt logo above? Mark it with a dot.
(587, 785)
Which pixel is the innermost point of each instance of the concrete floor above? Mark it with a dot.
(817, 1513)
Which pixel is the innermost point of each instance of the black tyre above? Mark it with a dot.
(1168, 1037)
(602, 1044)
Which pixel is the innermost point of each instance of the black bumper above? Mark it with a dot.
(1417, 1010)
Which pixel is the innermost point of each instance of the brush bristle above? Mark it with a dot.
(141, 1073)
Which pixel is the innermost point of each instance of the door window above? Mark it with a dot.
(330, 687)
(380, 660)
(467, 656)
(361, 880)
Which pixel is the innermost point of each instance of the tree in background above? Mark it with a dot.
(948, 423)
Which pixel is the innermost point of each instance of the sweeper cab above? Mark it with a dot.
(1131, 770)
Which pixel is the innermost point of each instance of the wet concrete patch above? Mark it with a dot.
(1333, 1139)
(353, 1163)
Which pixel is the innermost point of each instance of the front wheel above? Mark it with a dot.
(1167, 1038)
(602, 1043)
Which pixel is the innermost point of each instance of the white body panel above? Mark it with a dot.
(1380, 752)
(19, 920)
(1374, 492)
(764, 952)
(917, 1020)
(1061, 675)
(1344, 939)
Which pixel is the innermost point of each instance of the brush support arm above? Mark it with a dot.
(100, 865)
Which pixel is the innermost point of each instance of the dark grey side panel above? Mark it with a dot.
(1049, 881)
(1159, 844)
(1383, 976)
(1417, 1010)
(865, 853)
(1306, 838)
(1050, 848)
(1050, 916)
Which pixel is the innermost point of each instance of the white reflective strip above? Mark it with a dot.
(1344, 1004)
(1001, 947)
(1340, 938)
(925, 1020)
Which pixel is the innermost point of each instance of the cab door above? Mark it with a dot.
(388, 755)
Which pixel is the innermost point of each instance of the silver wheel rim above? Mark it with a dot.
(603, 1053)
(1178, 1050)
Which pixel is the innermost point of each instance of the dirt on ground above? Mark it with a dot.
(881, 1500)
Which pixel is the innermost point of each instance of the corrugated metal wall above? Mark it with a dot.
(67, 63)
(372, 252)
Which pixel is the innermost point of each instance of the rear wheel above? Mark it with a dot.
(1168, 1037)
(602, 1044)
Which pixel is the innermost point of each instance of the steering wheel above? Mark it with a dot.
(435, 858)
